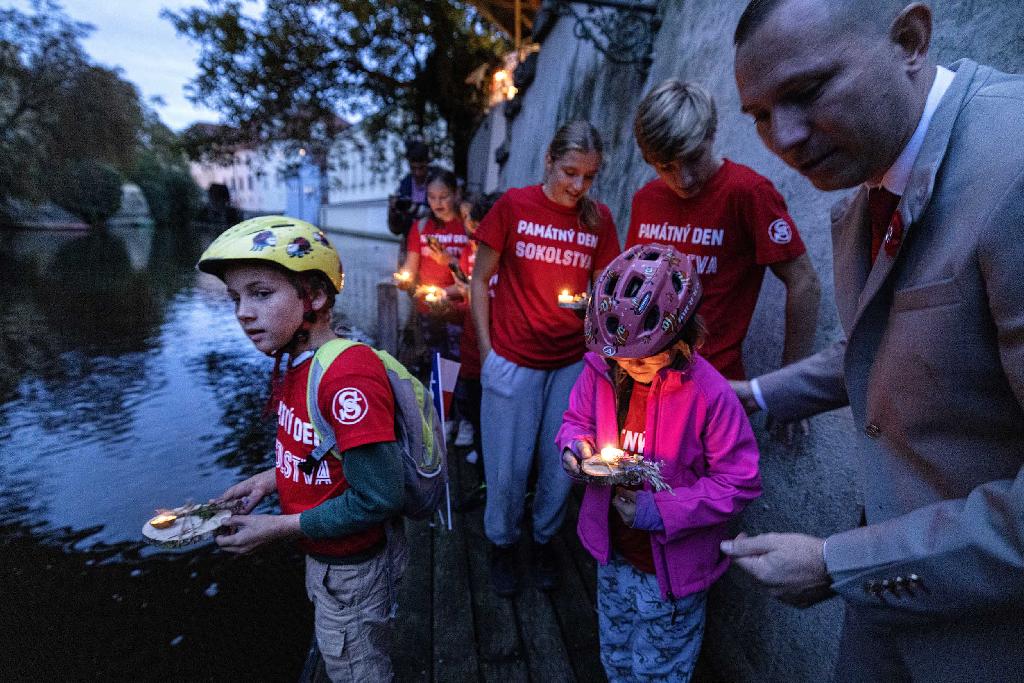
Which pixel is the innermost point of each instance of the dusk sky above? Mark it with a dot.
(131, 35)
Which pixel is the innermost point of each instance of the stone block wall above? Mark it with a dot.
(811, 488)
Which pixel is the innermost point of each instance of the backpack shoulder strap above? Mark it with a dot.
(322, 360)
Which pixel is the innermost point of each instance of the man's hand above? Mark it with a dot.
(624, 502)
(791, 566)
(788, 433)
(252, 531)
(251, 491)
(745, 395)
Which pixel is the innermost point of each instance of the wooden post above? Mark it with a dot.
(387, 317)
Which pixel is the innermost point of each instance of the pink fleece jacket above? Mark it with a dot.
(697, 429)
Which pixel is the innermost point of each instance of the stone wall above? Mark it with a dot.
(810, 488)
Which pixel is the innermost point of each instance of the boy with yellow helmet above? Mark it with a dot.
(283, 275)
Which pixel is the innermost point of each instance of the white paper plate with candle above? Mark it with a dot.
(614, 467)
(187, 524)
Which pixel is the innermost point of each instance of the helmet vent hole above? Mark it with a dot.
(633, 287)
(611, 284)
(612, 324)
(677, 281)
(651, 256)
(652, 318)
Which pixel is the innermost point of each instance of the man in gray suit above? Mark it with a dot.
(929, 285)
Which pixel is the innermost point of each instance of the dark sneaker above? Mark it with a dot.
(545, 567)
(504, 581)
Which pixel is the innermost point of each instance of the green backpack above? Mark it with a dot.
(417, 429)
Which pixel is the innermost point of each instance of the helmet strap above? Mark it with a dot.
(301, 336)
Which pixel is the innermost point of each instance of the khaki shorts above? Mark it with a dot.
(354, 607)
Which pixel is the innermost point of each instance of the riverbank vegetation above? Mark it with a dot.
(71, 130)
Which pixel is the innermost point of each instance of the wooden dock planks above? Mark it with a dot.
(451, 627)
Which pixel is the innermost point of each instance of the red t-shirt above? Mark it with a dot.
(451, 235)
(356, 398)
(543, 250)
(734, 228)
(633, 544)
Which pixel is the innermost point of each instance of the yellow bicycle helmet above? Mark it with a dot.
(296, 245)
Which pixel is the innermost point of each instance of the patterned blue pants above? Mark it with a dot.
(645, 637)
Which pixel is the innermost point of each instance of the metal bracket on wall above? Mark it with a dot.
(622, 30)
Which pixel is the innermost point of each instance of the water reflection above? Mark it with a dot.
(125, 385)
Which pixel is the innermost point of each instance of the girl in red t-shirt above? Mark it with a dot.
(540, 240)
(435, 245)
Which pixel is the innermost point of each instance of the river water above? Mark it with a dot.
(126, 385)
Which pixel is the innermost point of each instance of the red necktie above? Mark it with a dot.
(881, 209)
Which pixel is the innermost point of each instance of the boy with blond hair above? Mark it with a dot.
(729, 220)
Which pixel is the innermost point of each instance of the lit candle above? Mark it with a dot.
(432, 295)
(163, 520)
(565, 297)
(403, 276)
(611, 455)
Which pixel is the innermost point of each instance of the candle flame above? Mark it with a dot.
(164, 519)
(611, 454)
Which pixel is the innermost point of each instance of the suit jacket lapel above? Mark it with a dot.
(853, 224)
(851, 245)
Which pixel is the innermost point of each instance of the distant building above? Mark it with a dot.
(280, 179)
(360, 181)
(255, 179)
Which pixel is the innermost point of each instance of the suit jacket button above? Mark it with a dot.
(872, 430)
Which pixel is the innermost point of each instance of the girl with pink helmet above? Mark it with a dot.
(646, 390)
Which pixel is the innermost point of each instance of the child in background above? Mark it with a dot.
(468, 391)
(435, 244)
(646, 390)
(728, 219)
(540, 240)
(283, 276)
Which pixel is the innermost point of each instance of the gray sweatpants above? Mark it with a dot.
(520, 414)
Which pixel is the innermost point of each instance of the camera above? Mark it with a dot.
(403, 204)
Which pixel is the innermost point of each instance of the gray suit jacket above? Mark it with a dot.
(933, 370)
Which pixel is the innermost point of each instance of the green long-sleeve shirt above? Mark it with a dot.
(376, 493)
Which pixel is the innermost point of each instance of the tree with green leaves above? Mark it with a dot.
(71, 130)
(56, 108)
(399, 67)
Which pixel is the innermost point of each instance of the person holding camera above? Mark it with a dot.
(409, 203)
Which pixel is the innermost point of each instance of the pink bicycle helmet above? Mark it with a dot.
(641, 302)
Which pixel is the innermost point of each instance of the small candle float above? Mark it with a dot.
(187, 524)
(613, 466)
(403, 276)
(433, 294)
(577, 302)
(611, 461)
(163, 520)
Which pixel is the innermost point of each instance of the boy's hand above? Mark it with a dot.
(251, 491)
(252, 531)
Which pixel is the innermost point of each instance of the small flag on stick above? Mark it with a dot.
(443, 376)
